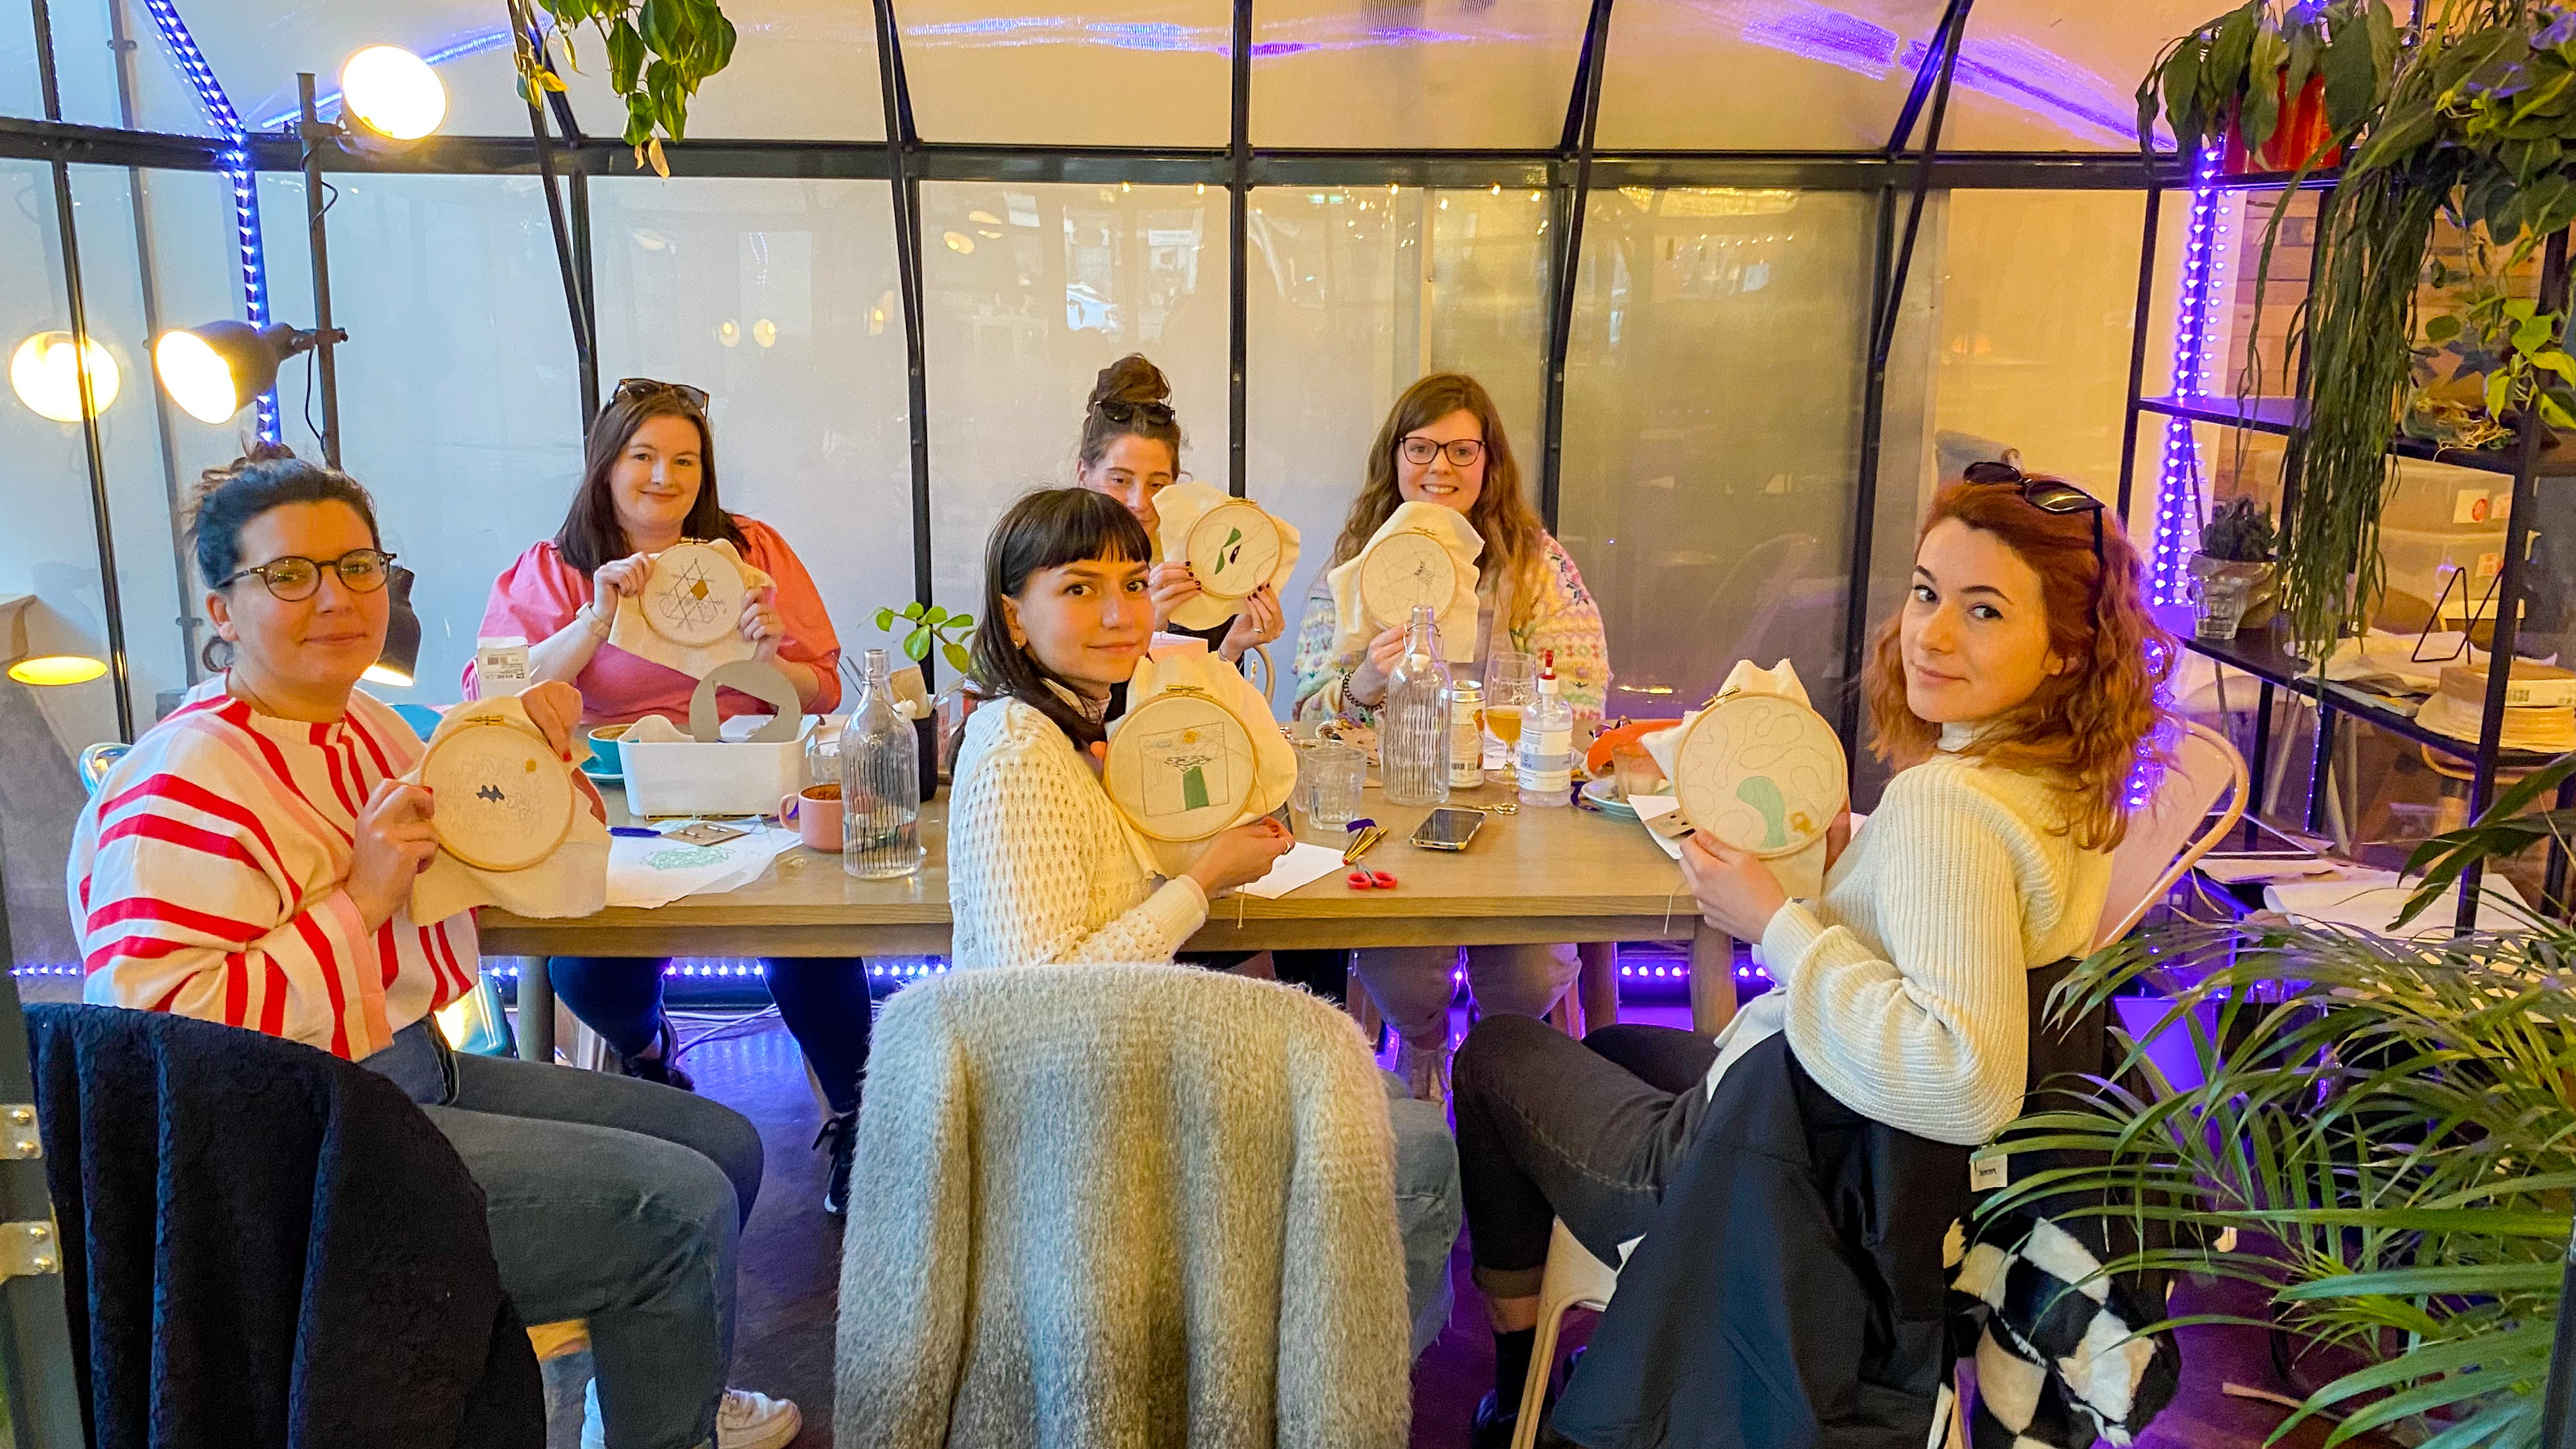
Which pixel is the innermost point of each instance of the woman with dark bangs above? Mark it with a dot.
(2013, 693)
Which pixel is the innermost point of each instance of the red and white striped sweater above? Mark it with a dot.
(209, 877)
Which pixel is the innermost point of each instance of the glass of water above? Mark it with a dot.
(1337, 770)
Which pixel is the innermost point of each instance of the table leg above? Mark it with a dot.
(1599, 984)
(536, 1024)
(1357, 1001)
(1712, 979)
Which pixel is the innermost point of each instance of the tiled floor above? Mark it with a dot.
(791, 1256)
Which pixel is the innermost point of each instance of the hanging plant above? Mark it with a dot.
(659, 53)
(2281, 88)
(2478, 127)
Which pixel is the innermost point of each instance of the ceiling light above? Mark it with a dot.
(765, 332)
(959, 242)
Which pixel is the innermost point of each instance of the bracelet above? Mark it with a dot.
(590, 619)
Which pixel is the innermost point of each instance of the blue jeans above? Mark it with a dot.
(619, 1202)
(823, 1000)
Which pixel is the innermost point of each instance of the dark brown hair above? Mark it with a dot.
(1515, 539)
(1130, 399)
(226, 499)
(1044, 530)
(2083, 729)
(591, 534)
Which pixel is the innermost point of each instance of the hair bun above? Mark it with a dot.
(258, 451)
(1131, 379)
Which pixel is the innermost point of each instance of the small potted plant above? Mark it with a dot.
(2280, 88)
(2238, 542)
(935, 627)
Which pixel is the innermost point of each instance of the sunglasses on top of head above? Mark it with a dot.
(633, 389)
(2048, 495)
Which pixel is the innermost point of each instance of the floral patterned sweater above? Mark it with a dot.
(1562, 620)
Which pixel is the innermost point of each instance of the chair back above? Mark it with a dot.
(2179, 825)
(1117, 1204)
(96, 760)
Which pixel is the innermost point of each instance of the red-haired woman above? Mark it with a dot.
(2013, 693)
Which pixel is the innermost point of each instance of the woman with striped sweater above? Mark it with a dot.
(250, 862)
(1443, 443)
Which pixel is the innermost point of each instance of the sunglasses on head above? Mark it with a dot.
(2048, 495)
(631, 389)
(1153, 413)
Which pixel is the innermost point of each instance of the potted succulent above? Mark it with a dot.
(2280, 87)
(2237, 542)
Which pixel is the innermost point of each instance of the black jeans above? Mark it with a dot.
(1588, 1131)
(823, 1000)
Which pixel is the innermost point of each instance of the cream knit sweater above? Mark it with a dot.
(1902, 988)
(1041, 867)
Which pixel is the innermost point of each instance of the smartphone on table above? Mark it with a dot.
(1448, 829)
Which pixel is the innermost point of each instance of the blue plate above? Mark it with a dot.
(1604, 796)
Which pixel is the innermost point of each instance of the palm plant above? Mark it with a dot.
(2389, 1126)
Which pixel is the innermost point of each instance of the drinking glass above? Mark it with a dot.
(2218, 605)
(1333, 795)
(1511, 683)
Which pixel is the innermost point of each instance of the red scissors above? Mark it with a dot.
(1362, 880)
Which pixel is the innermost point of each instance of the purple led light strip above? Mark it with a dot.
(237, 168)
(2178, 502)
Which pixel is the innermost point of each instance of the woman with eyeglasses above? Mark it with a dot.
(2013, 693)
(250, 862)
(1131, 450)
(1443, 443)
(649, 481)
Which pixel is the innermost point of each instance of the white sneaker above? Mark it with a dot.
(745, 1420)
(748, 1420)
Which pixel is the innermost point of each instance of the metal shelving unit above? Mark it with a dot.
(2530, 458)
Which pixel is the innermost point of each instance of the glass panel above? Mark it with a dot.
(1710, 507)
(1494, 73)
(1787, 75)
(1356, 293)
(1030, 291)
(801, 70)
(459, 408)
(778, 298)
(155, 254)
(257, 46)
(49, 552)
(2038, 75)
(139, 87)
(1137, 73)
(20, 94)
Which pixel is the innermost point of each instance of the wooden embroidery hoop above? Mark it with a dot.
(694, 595)
(1207, 545)
(1709, 795)
(1178, 709)
(483, 755)
(1402, 570)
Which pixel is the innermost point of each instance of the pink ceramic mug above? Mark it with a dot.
(815, 811)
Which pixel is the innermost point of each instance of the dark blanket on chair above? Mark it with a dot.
(266, 1245)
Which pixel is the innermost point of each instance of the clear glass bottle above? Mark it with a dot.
(880, 782)
(1547, 744)
(1413, 728)
(1466, 734)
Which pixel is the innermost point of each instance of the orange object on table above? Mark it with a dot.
(1606, 745)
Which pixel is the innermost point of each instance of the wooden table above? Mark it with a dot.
(1539, 876)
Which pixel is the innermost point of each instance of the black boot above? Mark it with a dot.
(662, 1066)
(841, 1135)
(1494, 1424)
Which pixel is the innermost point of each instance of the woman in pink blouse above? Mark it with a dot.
(649, 481)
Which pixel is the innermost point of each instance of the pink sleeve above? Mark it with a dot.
(534, 597)
(810, 640)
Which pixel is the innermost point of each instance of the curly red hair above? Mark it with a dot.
(2084, 728)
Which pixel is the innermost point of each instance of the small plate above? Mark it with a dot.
(1604, 795)
(604, 769)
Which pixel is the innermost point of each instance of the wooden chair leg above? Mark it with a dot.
(1712, 979)
(1599, 984)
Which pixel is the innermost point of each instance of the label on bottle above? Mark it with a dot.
(1547, 757)
(500, 667)
(1466, 742)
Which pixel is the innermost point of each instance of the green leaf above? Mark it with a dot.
(625, 56)
(912, 610)
(2352, 80)
(961, 622)
(2478, 1279)
(2554, 412)
(2441, 329)
(661, 21)
(885, 621)
(934, 615)
(2552, 360)
(2531, 335)
(959, 659)
(2183, 110)
(916, 645)
(2223, 76)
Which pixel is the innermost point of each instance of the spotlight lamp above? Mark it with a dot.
(212, 371)
(45, 371)
(27, 667)
(388, 93)
(400, 661)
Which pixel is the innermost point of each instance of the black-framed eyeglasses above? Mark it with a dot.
(1123, 413)
(295, 578)
(1463, 452)
(2048, 495)
(631, 389)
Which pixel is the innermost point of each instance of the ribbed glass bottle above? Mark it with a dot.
(1413, 729)
(880, 782)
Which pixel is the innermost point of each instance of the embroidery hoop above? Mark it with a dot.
(1207, 547)
(1402, 570)
(1710, 775)
(694, 619)
(505, 830)
(1132, 773)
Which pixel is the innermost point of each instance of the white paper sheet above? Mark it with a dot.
(1303, 865)
(2371, 905)
(657, 872)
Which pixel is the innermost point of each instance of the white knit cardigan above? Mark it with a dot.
(1041, 867)
(1121, 1206)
